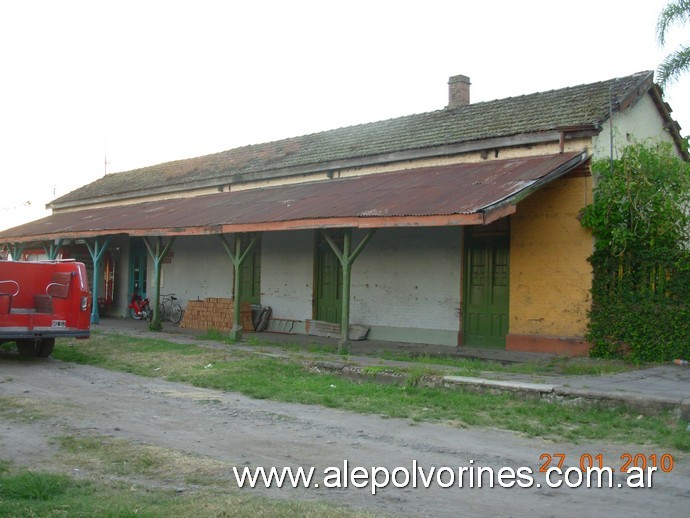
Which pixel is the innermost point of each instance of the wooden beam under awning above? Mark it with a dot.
(453, 220)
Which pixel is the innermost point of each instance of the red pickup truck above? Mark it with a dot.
(41, 301)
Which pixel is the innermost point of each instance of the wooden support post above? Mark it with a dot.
(96, 249)
(157, 251)
(347, 259)
(238, 257)
(52, 248)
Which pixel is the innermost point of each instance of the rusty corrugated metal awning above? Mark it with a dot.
(461, 194)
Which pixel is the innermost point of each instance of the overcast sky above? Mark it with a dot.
(89, 87)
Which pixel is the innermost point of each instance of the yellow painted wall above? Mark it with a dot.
(550, 277)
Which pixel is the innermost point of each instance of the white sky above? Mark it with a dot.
(144, 82)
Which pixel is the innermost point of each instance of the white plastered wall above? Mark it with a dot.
(405, 283)
(199, 268)
(641, 123)
(287, 273)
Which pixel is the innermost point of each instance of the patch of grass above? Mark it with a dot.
(214, 335)
(415, 374)
(140, 356)
(122, 458)
(555, 366)
(4, 466)
(589, 366)
(31, 485)
(39, 493)
(294, 346)
(25, 409)
(201, 485)
(280, 379)
(373, 370)
(7, 346)
(254, 340)
(322, 348)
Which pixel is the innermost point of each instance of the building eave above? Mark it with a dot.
(670, 125)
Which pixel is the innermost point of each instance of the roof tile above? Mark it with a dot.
(583, 105)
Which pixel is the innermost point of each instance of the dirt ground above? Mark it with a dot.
(228, 427)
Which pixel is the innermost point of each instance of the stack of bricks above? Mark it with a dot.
(215, 313)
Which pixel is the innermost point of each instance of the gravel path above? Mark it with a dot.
(247, 432)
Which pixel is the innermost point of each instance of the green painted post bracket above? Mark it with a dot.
(96, 250)
(157, 251)
(347, 259)
(52, 248)
(17, 251)
(238, 257)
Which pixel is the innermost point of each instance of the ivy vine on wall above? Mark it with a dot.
(640, 219)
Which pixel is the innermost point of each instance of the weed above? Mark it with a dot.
(373, 370)
(31, 485)
(415, 375)
(34, 493)
(25, 409)
(253, 340)
(214, 335)
(556, 366)
(122, 458)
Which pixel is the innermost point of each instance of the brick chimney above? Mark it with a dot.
(458, 91)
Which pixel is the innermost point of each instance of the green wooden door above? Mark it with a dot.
(485, 317)
(329, 283)
(251, 273)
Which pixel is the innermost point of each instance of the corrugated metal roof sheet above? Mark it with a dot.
(385, 199)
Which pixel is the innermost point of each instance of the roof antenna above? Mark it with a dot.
(105, 152)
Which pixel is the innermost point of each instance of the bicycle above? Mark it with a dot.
(170, 310)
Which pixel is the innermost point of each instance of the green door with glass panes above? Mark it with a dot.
(485, 315)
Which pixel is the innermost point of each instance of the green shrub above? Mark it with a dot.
(641, 284)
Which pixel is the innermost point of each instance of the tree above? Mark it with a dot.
(677, 62)
(641, 201)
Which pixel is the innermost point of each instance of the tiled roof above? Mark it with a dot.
(584, 105)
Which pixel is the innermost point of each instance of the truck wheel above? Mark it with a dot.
(36, 348)
(45, 347)
(26, 348)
